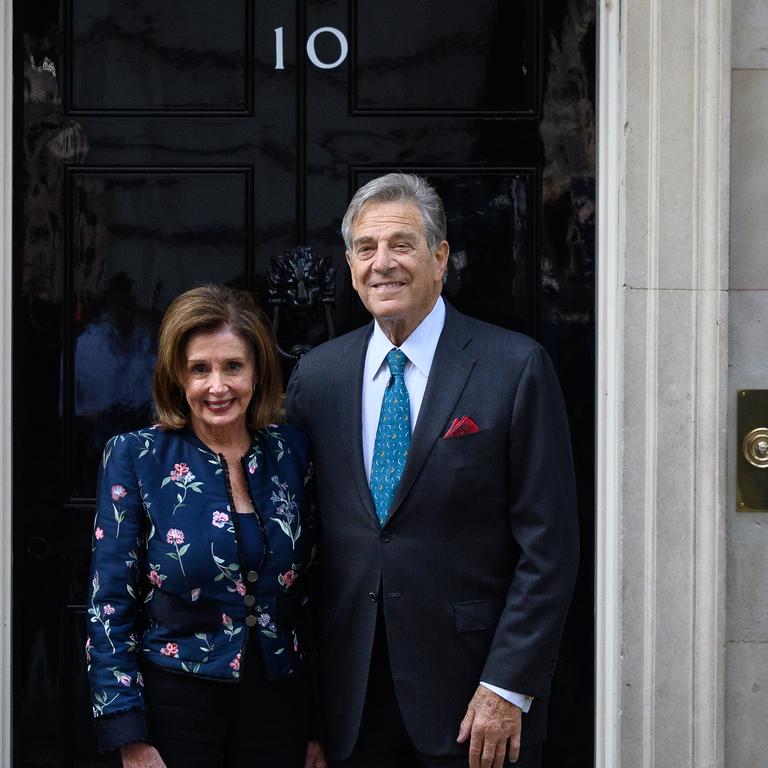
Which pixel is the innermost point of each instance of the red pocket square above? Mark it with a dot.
(460, 427)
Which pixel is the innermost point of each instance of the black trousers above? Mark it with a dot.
(383, 741)
(254, 723)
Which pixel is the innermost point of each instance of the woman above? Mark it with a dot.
(201, 549)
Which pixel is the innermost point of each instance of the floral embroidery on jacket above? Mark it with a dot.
(164, 529)
(287, 510)
(182, 478)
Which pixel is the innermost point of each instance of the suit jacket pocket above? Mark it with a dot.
(477, 615)
(177, 614)
(477, 441)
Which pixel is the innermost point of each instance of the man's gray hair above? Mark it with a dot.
(399, 188)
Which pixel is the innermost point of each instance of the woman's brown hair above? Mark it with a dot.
(207, 308)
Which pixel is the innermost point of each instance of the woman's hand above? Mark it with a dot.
(315, 756)
(143, 755)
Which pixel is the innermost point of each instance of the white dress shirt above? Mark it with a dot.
(419, 348)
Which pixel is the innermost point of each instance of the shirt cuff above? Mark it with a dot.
(518, 699)
(121, 728)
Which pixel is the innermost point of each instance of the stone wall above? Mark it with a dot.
(747, 533)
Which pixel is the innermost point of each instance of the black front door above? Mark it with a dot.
(158, 145)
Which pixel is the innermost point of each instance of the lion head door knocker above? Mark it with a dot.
(301, 288)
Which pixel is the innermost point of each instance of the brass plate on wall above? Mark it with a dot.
(752, 451)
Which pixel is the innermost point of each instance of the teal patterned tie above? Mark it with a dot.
(393, 436)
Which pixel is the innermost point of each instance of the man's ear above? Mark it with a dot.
(351, 271)
(441, 254)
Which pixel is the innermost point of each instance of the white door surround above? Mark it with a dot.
(664, 109)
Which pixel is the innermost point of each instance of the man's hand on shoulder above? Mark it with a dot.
(493, 725)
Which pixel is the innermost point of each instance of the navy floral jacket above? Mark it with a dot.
(167, 587)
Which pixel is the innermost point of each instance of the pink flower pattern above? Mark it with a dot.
(99, 534)
(287, 578)
(230, 630)
(181, 476)
(178, 472)
(108, 610)
(175, 536)
(170, 649)
(118, 492)
(220, 519)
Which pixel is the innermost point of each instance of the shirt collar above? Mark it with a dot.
(419, 347)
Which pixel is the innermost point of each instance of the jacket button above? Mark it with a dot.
(250, 621)
(252, 576)
(384, 536)
(373, 597)
(249, 600)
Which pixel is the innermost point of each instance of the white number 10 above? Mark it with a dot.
(311, 51)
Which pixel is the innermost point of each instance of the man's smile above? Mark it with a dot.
(388, 285)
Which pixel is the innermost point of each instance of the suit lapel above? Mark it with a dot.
(450, 370)
(350, 418)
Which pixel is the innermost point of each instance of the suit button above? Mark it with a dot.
(373, 597)
(384, 537)
(250, 621)
(252, 576)
(249, 600)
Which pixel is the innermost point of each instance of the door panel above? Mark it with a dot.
(427, 58)
(176, 56)
(160, 145)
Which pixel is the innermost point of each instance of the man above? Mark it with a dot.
(447, 509)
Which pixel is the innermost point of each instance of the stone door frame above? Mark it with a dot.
(663, 146)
